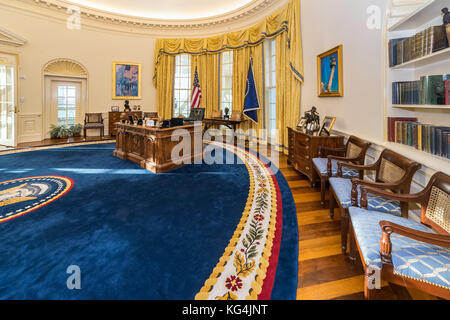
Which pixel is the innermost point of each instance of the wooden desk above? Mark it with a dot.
(152, 148)
(304, 147)
(231, 124)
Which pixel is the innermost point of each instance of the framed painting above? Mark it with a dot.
(127, 80)
(330, 73)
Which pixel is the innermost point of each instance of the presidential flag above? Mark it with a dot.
(196, 92)
(251, 103)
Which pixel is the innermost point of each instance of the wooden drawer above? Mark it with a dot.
(300, 148)
(302, 139)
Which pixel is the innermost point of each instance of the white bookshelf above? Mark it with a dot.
(437, 63)
(421, 16)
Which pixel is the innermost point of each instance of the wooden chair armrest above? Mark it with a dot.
(332, 157)
(358, 167)
(365, 185)
(335, 150)
(387, 228)
(386, 194)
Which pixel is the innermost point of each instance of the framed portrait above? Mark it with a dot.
(127, 80)
(330, 73)
(327, 126)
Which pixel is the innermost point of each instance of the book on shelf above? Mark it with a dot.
(424, 137)
(392, 122)
(429, 90)
(422, 43)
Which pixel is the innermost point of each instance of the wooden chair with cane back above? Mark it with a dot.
(400, 250)
(325, 166)
(392, 171)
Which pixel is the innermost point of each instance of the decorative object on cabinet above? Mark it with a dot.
(326, 164)
(311, 121)
(393, 172)
(304, 147)
(94, 121)
(127, 80)
(115, 109)
(126, 106)
(327, 125)
(330, 73)
(388, 243)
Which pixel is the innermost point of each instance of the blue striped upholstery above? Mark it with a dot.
(410, 258)
(343, 187)
(321, 165)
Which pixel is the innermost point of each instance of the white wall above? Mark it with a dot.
(48, 39)
(326, 24)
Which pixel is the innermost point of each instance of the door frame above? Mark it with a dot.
(47, 97)
(16, 93)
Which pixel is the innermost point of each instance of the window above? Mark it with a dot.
(226, 99)
(182, 86)
(67, 96)
(271, 87)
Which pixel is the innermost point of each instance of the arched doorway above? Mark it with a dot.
(65, 94)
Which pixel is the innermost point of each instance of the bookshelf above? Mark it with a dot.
(437, 63)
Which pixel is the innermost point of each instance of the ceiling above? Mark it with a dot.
(166, 9)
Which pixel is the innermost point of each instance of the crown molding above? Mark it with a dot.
(247, 15)
(9, 38)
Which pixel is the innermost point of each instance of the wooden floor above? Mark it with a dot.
(324, 273)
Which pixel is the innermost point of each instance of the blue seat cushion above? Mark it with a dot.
(321, 165)
(343, 189)
(410, 258)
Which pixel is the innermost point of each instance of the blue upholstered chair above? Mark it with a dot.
(326, 165)
(393, 172)
(401, 250)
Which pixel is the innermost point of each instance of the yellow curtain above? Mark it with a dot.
(208, 73)
(241, 64)
(283, 25)
(164, 86)
(288, 93)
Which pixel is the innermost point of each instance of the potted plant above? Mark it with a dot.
(65, 132)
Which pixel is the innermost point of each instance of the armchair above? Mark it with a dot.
(94, 121)
(392, 172)
(405, 252)
(325, 166)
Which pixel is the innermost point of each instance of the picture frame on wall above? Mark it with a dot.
(330, 79)
(127, 80)
(327, 126)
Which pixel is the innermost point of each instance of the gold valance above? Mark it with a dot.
(285, 20)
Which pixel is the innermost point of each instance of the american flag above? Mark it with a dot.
(196, 92)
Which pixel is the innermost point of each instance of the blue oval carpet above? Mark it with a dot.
(132, 234)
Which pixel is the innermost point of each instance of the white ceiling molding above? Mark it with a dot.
(9, 38)
(247, 15)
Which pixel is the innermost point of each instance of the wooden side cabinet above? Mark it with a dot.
(304, 147)
(114, 117)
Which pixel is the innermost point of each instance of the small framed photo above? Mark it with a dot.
(115, 108)
(301, 124)
(327, 126)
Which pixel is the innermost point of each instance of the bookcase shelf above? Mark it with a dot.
(425, 13)
(437, 63)
(421, 106)
(425, 60)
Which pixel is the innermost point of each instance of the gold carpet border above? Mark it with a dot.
(261, 270)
